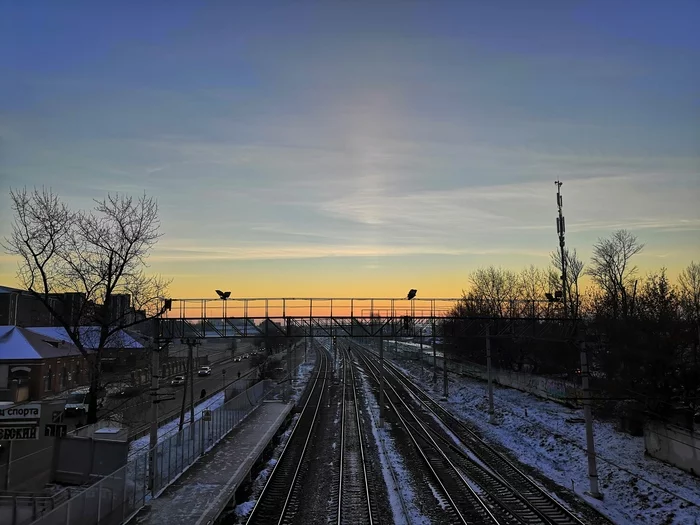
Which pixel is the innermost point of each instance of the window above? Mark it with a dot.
(48, 380)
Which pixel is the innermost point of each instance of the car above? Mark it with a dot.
(204, 371)
(237, 359)
(245, 356)
(178, 380)
(78, 402)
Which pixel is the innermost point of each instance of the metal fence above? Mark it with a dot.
(120, 495)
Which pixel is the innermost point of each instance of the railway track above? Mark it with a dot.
(281, 495)
(355, 505)
(461, 498)
(503, 481)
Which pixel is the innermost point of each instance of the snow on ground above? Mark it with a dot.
(401, 497)
(303, 374)
(637, 489)
(141, 444)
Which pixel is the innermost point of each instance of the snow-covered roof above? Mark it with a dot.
(89, 336)
(20, 343)
(8, 289)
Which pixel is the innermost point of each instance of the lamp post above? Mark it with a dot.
(223, 296)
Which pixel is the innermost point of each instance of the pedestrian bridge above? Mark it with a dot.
(362, 317)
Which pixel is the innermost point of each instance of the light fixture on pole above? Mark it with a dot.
(223, 296)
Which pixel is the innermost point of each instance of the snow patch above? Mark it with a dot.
(637, 489)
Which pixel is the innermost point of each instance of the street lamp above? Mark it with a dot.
(223, 296)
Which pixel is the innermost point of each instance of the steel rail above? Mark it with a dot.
(478, 505)
(267, 508)
(550, 510)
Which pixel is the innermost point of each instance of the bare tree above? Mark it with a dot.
(689, 287)
(612, 270)
(534, 283)
(574, 271)
(689, 290)
(494, 290)
(78, 263)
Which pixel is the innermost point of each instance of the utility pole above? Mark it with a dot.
(190, 344)
(488, 371)
(153, 439)
(381, 381)
(561, 230)
(421, 352)
(335, 355)
(444, 374)
(590, 444)
(434, 355)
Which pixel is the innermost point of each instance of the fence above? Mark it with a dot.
(675, 445)
(120, 495)
(554, 389)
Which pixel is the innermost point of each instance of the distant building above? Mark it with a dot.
(21, 308)
(33, 365)
(18, 307)
(120, 311)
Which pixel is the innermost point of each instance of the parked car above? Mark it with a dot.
(178, 380)
(204, 371)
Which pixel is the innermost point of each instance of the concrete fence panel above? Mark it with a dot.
(674, 445)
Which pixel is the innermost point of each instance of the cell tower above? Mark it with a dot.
(561, 230)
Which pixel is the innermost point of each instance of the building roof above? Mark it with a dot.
(89, 336)
(17, 342)
(8, 289)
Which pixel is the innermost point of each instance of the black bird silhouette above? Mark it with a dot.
(411, 293)
(223, 295)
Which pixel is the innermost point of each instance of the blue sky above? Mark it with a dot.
(345, 147)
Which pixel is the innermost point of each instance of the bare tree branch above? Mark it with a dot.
(93, 256)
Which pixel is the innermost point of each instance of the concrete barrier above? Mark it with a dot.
(674, 445)
(554, 389)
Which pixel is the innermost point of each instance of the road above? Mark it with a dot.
(136, 412)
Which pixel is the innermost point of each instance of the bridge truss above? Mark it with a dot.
(363, 317)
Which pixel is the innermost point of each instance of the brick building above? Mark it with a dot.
(33, 365)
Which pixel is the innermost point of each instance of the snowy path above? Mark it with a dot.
(637, 489)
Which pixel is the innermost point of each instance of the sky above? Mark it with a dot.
(341, 149)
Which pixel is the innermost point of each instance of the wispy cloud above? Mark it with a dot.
(300, 251)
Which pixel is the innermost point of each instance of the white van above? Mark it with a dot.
(78, 402)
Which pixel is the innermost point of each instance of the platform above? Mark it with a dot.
(204, 491)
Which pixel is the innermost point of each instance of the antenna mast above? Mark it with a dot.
(561, 230)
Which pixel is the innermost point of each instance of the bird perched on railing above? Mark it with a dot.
(411, 293)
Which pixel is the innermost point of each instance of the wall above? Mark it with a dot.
(31, 459)
(553, 389)
(81, 460)
(71, 363)
(548, 388)
(674, 445)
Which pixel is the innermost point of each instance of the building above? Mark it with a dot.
(18, 307)
(120, 311)
(33, 365)
(21, 308)
(120, 350)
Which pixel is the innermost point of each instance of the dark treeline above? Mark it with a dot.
(642, 332)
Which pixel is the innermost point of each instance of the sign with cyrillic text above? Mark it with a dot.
(18, 433)
(28, 411)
